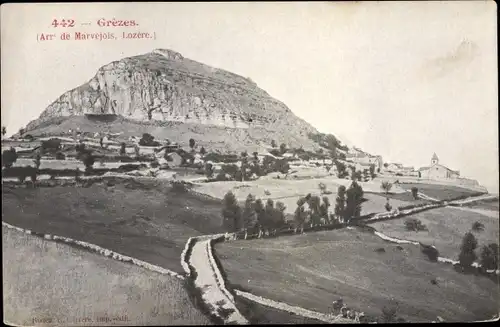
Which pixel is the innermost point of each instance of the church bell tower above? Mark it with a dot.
(434, 160)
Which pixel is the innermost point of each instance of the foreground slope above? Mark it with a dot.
(312, 270)
(45, 280)
(144, 220)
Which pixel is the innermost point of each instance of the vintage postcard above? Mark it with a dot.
(249, 163)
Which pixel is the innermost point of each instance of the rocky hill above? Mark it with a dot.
(173, 97)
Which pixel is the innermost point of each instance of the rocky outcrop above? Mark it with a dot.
(163, 86)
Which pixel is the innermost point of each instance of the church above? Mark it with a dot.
(437, 171)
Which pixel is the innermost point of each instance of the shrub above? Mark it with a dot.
(154, 164)
(477, 226)
(467, 255)
(388, 206)
(489, 256)
(60, 156)
(389, 313)
(413, 224)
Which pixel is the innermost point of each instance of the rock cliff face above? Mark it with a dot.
(163, 86)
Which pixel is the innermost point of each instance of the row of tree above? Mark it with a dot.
(268, 218)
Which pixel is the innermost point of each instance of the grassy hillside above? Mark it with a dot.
(440, 192)
(43, 280)
(446, 228)
(315, 269)
(146, 220)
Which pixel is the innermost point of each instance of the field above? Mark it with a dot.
(486, 205)
(43, 280)
(312, 270)
(289, 191)
(446, 228)
(440, 192)
(145, 220)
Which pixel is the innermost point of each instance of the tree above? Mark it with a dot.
(300, 215)
(4, 130)
(267, 223)
(101, 142)
(282, 166)
(386, 165)
(386, 186)
(9, 157)
(314, 203)
(21, 132)
(37, 161)
(122, 149)
(388, 206)
(282, 148)
(489, 256)
(203, 151)
(414, 192)
(209, 170)
(148, 140)
(231, 213)
(323, 209)
(341, 169)
(279, 215)
(477, 226)
(137, 151)
(261, 215)
(249, 214)
(354, 198)
(372, 171)
(467, 255)
(273, 143)
(340, 201)
(255, 156)
(322, 188)
(88, 160)
(192, 143)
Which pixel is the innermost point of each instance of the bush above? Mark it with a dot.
(413, 224)
(489, 256)
(154, 164)
(388, 206)
(477, 226)
(179, 187)
(148, 140)
(431, 252)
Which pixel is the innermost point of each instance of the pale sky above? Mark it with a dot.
(400, 79)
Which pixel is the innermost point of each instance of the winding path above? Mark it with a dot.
(210, 281)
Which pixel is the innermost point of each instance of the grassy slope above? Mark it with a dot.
(146, 221)
(446, 228)
(43, 279)
(441, 192)
(314, 269)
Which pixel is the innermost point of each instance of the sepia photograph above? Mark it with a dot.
(219, 163)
